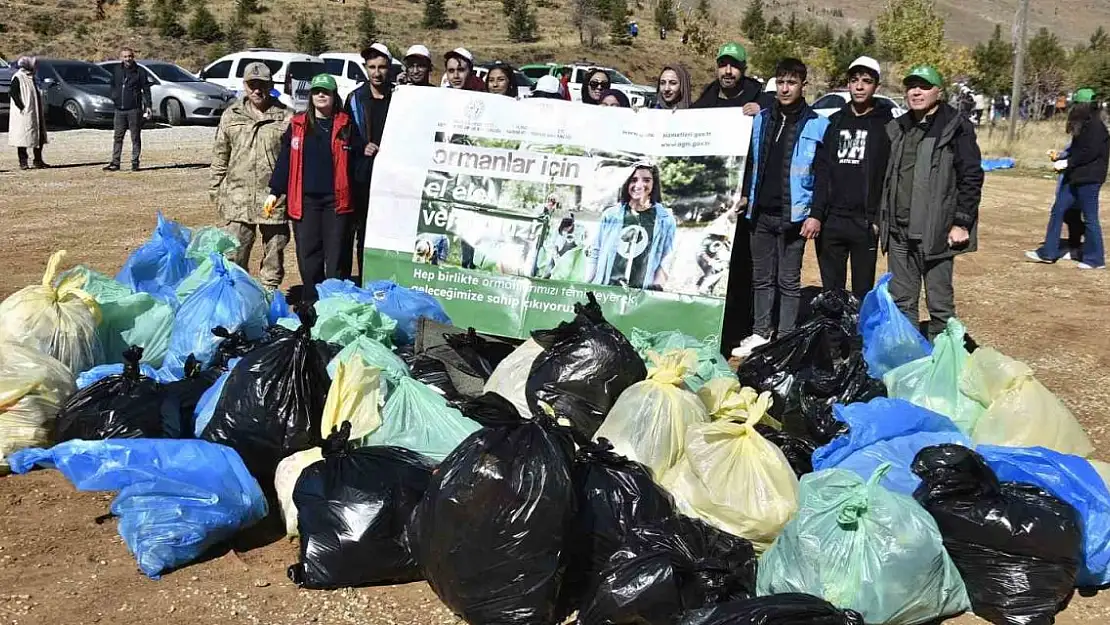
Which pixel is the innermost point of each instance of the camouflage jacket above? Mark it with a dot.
(247, 147)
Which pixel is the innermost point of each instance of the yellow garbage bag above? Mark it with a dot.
(648, 421)
(353, 396)
(734, 479)
(726, 399)
(33, 386)
(1020, 411)
(58, 321)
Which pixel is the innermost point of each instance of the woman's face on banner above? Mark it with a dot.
(641, 184)
(669, 86)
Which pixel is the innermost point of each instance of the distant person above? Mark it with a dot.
(368, 106)
(131, 96)
(662, 32)
(1084, 172)
(27, 117)
(314, 173)
(930, 210)
(418, 66)
(501, 80)
(732, 87)
(612, 97)
(248, 142)
(848, 183)
(672, 91)
(597, 81)
(547, 87)
(786, 140)
(636, 237)
(564, 84)
(459, 64)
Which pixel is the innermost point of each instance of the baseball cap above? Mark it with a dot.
(866, 62)
(377, 49)
(460, 53)
(419, 50)
(733, 50)
(258, 71)
(324, 81)
(1083, 95)
(928, 73)
(548, 84)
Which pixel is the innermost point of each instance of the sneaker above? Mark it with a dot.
(1086, 266)
(111, 167)
(1036, 257)
(1066, 256)
(749, 345)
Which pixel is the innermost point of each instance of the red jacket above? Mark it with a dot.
(340, 150)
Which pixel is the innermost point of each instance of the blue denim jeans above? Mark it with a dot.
(1086, 196)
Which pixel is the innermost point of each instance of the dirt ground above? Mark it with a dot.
(59, 565)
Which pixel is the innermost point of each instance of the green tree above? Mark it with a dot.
(1100, 40)
(912, 32)
(133, 14)
(770, 50)
(165, 18)
(1046, 69)
(235, 38)
(522, 23)
(703, 10)
(367, 26)
(203, 26)
(1091, 69)
(846, 49)
(822, 36)
(869, 40)
(435, 15)
(317, 37)
(261, 37)
(615, 13)
(753, 24)
(244, 9)
(994, 60)
(775, 27)
(666, 15)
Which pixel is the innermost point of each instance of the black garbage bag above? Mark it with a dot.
(491, 531)
(179, 399)
(615, 494)
(665, 570)
(272, 404)
(585, 365)
(489, 410)
(1016, 546)
(126, 405)
(798, 450)
(234, 345)
(432, 372)
(838, 305)
(848, 383)
(353, 509)
(467, 357)
(783, 609)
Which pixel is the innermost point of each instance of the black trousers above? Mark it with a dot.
(1074, 219)
(360, 202)
(124, 122)
(737, 324)
(21, 153)
(323, 243)
(844, 238)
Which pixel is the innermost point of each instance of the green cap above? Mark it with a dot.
(1083, 95)
(324, 81)
(928, 73)
(733, 50)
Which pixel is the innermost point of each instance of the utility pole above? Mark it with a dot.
(1019, 70)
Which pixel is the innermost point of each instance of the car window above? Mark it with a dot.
(274, 65)
(83, 73)
(618, 78)
(536, 72)
(42, 70)
(831, 101)
(303, 70)
(355, 72)
(522, 80)
(219, 70)
(334, 66)
(171, 73)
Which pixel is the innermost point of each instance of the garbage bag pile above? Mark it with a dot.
(579, 474)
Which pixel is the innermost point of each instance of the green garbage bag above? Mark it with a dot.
(933, 382)
(571, 266)
(196, 279)
(417, 418)
(860, 546)
(341, 320)
(127, 318)
(711, 364)
(374, 354)
(209, 240)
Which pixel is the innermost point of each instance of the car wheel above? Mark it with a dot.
(175, 113)
(75, 116)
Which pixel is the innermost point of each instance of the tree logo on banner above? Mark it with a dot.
(634, 241)
(474, 110)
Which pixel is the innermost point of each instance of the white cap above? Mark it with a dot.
(548, 84)
(383, 50)
(460, 53)
(867, 62)
(419, 50)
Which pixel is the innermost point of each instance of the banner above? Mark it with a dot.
(510, 211)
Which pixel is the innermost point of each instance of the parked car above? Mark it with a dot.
(638, 95)
(524, 84)
(6, 73)
(77, 92)
(349, 72)
(292, 72)
(178, 96)
(834, 101)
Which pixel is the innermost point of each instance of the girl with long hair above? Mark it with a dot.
(635, 240)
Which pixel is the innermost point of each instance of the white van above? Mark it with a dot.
(349, 71)
(292, 71)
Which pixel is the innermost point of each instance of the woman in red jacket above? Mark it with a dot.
(313, 171)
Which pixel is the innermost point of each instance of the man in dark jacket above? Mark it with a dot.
(848, 184)
(368, 106)
(931, 193)
(131, 96)
(732, 87)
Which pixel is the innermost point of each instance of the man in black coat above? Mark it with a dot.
(131, 96)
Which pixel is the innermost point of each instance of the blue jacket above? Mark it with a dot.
(809, 136)
(604, 249)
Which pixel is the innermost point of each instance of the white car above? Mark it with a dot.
(830, 103)
(292, 72)
(349, 70)
(638, 95)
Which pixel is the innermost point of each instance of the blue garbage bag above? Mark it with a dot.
(176, 498)
(206, 406)
(160, 264)
(99, 372)
(279, 309)
(403, 305)
(1072, 479)
(886, 430)
(230, 299)
(889, 339)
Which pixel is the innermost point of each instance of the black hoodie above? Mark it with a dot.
(751, 90)
(849, 172)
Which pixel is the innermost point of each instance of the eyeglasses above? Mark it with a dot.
(598, 84)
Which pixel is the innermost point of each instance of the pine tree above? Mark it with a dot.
(775, 26)
(754, 24)
(507, 6)
(666, 16)
(317, 38)
(993, 64)
(133, 14)
(234, 37)
(165, 18)
(868, 40)
(435, 15)
(522, 23)
(615, 12)
(302, 40)
(261, 37)
(1100, 41)
(244, 9)
(367, 26)
(203, 26)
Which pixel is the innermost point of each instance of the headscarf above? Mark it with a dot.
(619, 95)
(26, 62)
(683, 83)
(586, 99)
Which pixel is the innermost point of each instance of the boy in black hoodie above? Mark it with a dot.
(849, 183)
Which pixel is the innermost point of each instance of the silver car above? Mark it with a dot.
(6, 73)
(178, 96)
(77, 91)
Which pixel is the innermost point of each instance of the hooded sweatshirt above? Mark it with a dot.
(683, 83)
(849, 172)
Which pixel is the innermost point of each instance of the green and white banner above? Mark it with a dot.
(510, 211)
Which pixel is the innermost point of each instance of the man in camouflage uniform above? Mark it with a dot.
(247, 145)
